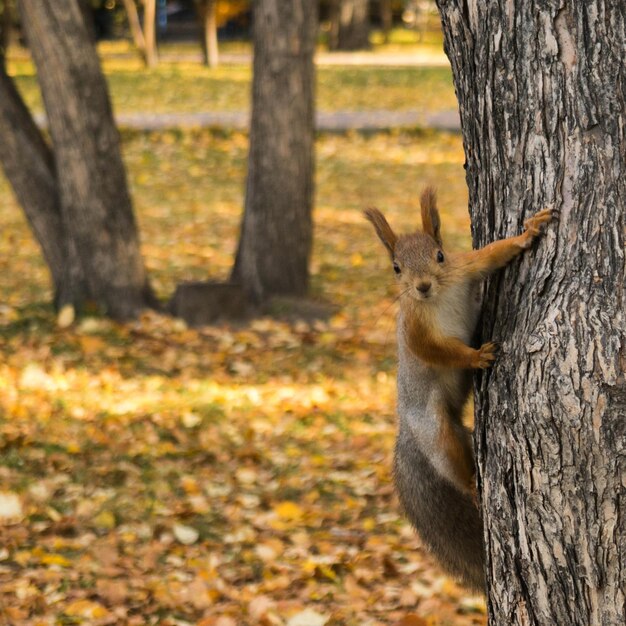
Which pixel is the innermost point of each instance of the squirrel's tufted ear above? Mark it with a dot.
(386, 235)
(430, 215)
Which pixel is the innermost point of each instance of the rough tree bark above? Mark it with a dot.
(207, 12)
(352, 28)
(75, 195)
(276, 235)
(28, 164)
(541, 87)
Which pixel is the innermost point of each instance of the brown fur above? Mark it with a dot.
(431, 224)
(434, 348)
(383, 230)
(456, 447)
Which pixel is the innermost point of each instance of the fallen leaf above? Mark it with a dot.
(288, 511)
(308, 617)
(66, 316)
(411, 620)
(86, 609)
(185, 534)
(10, 508)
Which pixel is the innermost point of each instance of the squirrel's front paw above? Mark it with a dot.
(532, 226)
(486, 355)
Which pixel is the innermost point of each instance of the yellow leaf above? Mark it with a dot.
(356, 260)
(86, 609)
(55, 559)
(105, 519)
(90, 344)
(288, 511)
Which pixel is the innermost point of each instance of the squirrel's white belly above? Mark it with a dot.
(454, 317)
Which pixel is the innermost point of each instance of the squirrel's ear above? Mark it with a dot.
(386, 235)
(430, 215)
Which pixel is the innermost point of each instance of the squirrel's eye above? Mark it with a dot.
(396, 268)
(440, 257)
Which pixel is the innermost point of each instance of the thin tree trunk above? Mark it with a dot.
(333, 35)
(29, 166)
(354, 25)
(386, 18)
(149, 31)
(134, 24)
(542, 101)
(207, 11)
(6, 25)
(276, 236)
(93, 193)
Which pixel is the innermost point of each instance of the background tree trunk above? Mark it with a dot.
(6, 26)
(334, 9)
(134, 24)
(96, 210)
(276, 235)
(542, 101)
(386, 18)
(207, 11)
(353, 28)
(149, 33)
(29, 166)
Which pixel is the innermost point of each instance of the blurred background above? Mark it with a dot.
(220, 470)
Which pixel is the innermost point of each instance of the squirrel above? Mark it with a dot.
(434, 468)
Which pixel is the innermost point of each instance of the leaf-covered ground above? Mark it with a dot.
(155, 474)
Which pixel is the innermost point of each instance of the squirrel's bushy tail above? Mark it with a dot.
(446, 519)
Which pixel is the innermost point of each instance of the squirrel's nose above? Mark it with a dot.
(424, 286)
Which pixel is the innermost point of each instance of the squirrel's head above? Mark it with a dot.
(418, 259)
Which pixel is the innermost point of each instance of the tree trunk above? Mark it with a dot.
(6, 25)
(95, 205)
(386, 18)
(276, 235)
(29, 166)
(334, 11)
(149, 31)
(134, 24)
(354, 25)
(207, 11)
(542, 101)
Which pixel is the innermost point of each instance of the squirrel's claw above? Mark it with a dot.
(487, 354)
(533, 224)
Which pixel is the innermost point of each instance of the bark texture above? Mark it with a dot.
(276, 235)
(28, 164)
(100, 245)
(541, 88)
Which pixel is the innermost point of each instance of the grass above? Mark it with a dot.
(187, 86)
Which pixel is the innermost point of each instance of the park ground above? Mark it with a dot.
(235, 474)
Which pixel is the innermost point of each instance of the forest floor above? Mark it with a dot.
(230, 475)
